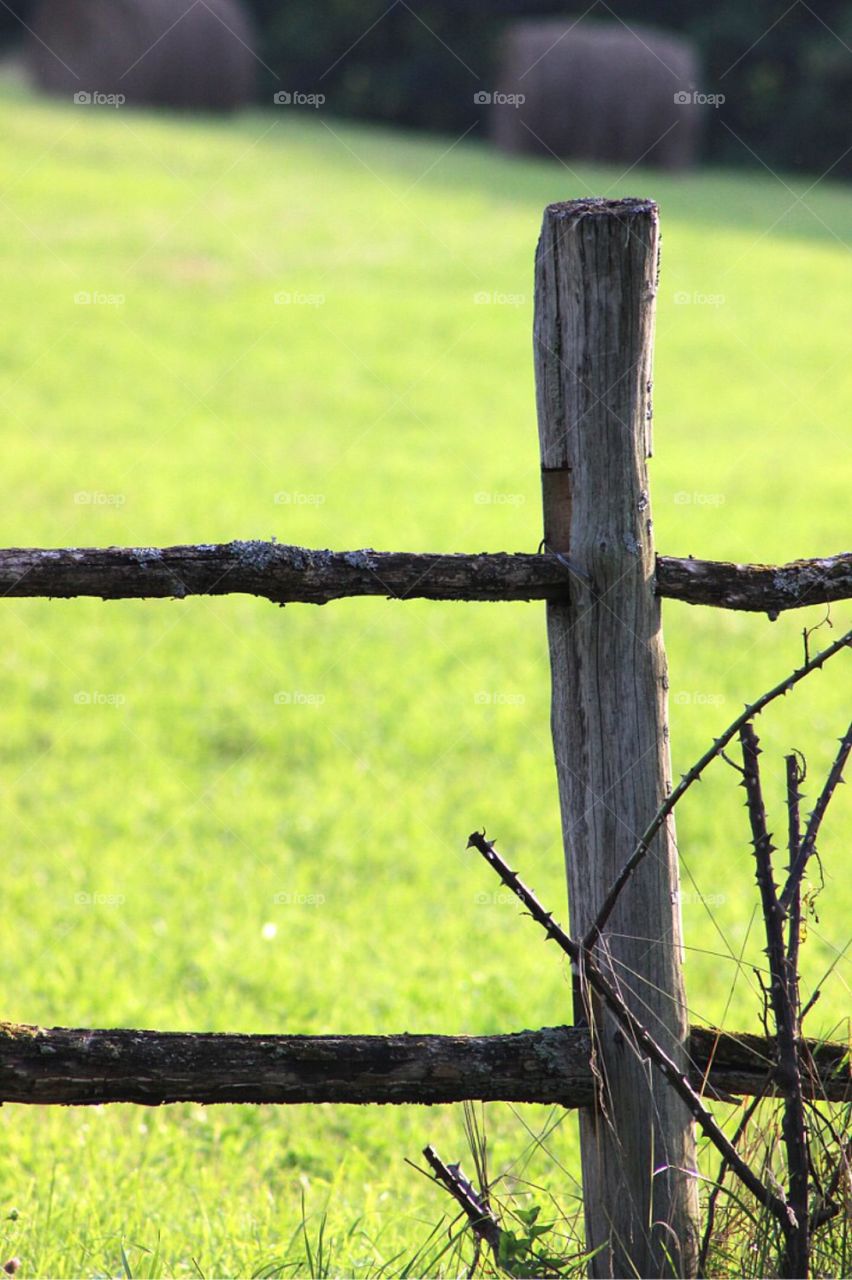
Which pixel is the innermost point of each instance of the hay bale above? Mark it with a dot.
(597, 91)
(169, 53)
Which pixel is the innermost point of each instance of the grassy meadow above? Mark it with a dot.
(221, 815)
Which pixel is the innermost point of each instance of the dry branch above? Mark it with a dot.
(483, 1222)
(84, 1067)
(641, 1039)
(808, 844)
(795, 773)
(788, 1069)
(285, 575)
(692, 775)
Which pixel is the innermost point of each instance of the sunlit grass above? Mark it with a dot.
(146, 764)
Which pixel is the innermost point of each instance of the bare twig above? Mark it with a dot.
(788, 1069)
(693, 774)
(807, 632)
(600, 984)
(795, 767)
(482, 1221)
(815, 995)
(808, 844)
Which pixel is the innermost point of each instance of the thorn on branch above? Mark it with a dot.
(482, 1221)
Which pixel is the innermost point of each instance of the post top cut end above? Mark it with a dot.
(599, 206)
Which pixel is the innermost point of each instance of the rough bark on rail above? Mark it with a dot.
(83, 1067)
(282, 574)
(290, 575)
(756, 588)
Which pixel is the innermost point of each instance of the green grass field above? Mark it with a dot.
(146, 762)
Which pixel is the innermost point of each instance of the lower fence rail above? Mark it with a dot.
(79, 1067)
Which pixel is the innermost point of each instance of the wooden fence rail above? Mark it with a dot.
(298, 575)
(76, 1067)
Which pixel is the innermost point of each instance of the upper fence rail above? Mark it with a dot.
(289, 575)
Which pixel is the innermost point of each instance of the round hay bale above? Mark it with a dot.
(597, 91)
(170, 53)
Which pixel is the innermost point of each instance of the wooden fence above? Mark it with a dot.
(596, 280)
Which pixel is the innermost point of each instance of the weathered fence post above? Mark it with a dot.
(596, 278)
